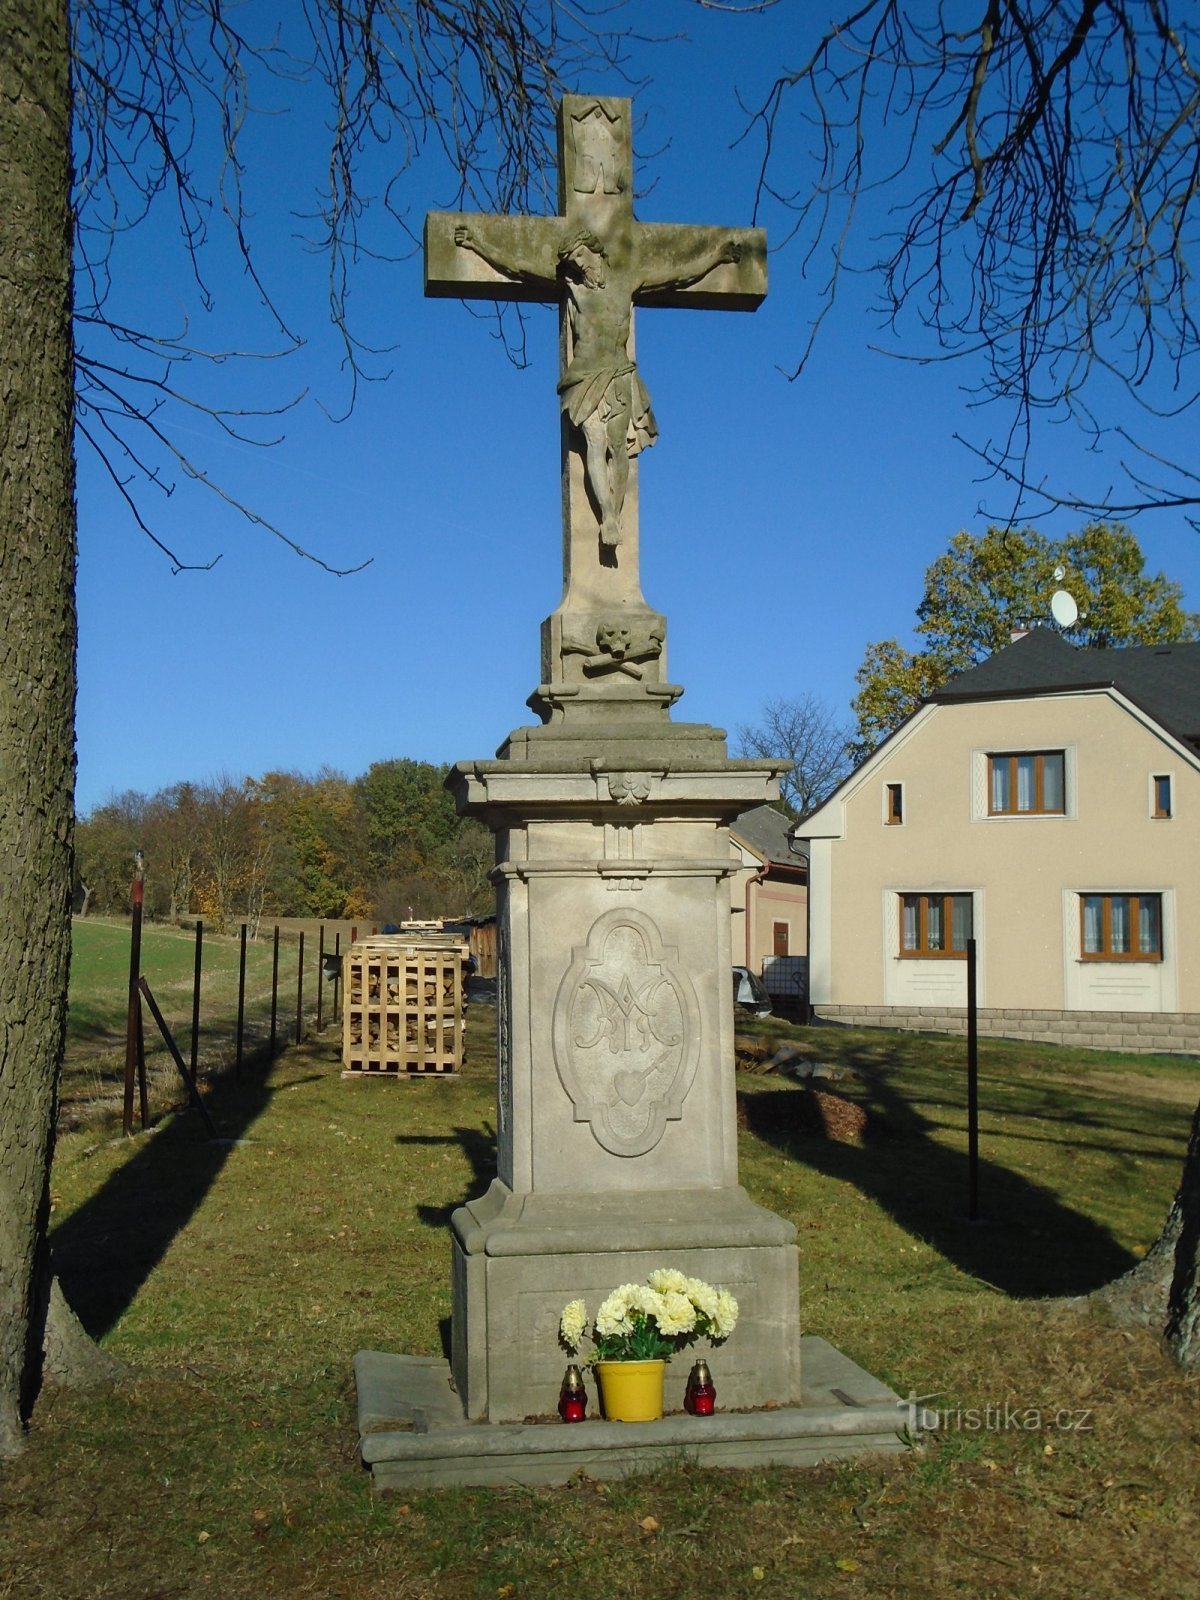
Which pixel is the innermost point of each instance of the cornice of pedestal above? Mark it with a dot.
(647, 782)
(503, 1223)
(626, 874)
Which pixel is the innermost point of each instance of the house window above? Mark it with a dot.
(1160, 794)
(779, 938)
(893, 804)
(1121, 927)
(1031, 783)
(935, 925)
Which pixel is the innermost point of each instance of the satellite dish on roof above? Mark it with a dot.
(1059, 574)
(1063, 609)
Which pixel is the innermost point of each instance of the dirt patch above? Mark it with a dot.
(817, 1112)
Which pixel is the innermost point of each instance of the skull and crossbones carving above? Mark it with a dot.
(614, 650)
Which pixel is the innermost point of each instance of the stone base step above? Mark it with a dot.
(413, 1434)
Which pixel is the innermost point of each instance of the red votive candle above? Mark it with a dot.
(701, 1396)
(572, 1399)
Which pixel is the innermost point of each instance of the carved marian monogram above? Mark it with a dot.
(626, 1033)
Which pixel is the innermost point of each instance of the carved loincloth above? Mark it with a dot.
(587, 391)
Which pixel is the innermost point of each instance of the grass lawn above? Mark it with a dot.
(238, 1280)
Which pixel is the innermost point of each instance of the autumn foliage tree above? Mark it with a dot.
(317, 825)
(987, 585)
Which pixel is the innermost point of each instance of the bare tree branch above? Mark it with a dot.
(807, 734)
(166, 93)
(1042, 161)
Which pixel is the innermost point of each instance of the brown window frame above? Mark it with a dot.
(787, 938)
(893, 805)
(1039, 808)
(922, 952)
(1158, 811)
(1106, 952)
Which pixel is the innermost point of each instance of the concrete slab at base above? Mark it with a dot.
(413, 1433)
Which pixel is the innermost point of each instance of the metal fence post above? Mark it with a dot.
(241, 1012)
(143, 1090)
(196, 995)
(134, 1011)
(274, 989)
(300, 992)
(972, 1086)
(320, 971)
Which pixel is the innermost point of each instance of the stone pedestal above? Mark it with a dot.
(616, 1113)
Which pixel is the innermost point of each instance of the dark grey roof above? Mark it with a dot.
(765, 830)
(1163, 679)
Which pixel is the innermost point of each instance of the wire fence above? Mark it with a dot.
(198, 1005)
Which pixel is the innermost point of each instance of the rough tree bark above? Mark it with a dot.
(1163, 1290)
(1183, 1301)
(37, 678)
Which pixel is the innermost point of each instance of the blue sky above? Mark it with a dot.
(784, 526)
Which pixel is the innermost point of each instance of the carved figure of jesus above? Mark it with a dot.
(602, 391)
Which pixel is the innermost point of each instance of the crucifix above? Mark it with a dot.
(596, 262)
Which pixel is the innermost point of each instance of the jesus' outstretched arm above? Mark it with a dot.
(535, 267)
(682, 274)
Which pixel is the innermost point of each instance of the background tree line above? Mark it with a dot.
(385, 845)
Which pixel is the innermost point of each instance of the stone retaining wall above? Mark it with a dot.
(1145, 1031)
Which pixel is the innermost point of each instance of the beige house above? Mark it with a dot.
(1047, 804)
(769, 902)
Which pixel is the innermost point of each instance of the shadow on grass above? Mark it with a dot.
(479, 1147)
(96, 1024)
(105, 1251)
(1028, 1244)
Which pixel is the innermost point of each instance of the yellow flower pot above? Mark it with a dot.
(631, 1391)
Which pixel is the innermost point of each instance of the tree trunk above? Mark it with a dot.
(1163, 1291)
(1183, 1310)
(37, 664)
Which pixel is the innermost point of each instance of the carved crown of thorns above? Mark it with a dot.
(580, 237)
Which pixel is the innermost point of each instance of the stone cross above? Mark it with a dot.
(596, 262)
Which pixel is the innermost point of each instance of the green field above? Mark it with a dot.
(237, 1281)
(94, 1069)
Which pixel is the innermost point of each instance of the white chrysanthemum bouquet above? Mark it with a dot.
(651, 1321)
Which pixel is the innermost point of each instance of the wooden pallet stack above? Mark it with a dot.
(404, 1005)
